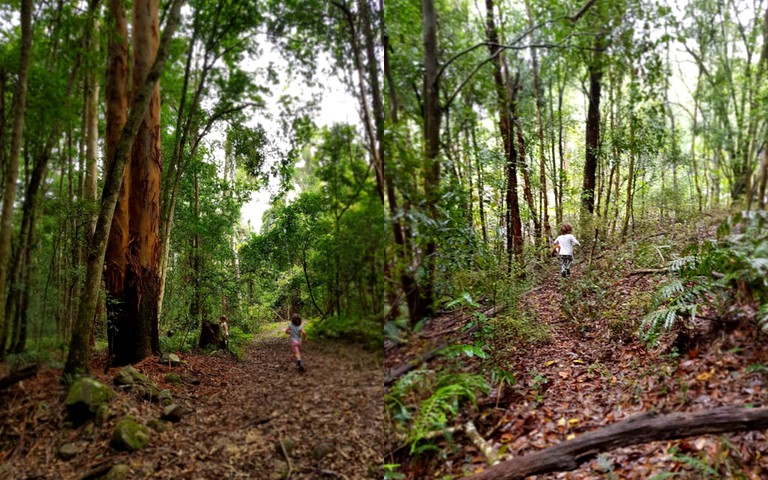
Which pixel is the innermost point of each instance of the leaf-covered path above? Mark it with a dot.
(257, 418)
(591, 370)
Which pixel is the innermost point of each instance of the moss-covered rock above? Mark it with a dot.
(67, 451)
(174, 413)
(149, 392)
(173, 378)
(170, 358)
(103, 413)
(118, 472)
(156, 425)
(165, 397)
(129, 375)
(130, 435)
(85, 397)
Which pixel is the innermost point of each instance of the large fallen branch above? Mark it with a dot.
(649, 271)
(19, 375)
(644, 428)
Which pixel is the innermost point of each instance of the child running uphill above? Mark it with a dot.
(296, 331)
(564, 246)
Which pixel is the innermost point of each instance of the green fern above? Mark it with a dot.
(437, 410)
(711, 274)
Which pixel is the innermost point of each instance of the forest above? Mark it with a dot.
(637, 126)
(133, 136)
(538, 244)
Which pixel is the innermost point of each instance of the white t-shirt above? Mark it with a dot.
(567, 243)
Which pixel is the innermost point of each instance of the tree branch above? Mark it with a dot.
(643, 428)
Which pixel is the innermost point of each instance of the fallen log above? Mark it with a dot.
(19, 375)
(649, 271)
(643, 428)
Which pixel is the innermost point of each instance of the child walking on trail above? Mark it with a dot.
(296, 331)
(564, 246)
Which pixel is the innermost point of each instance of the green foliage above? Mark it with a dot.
(454, 351)
(715, 275)
(520, 329)
(447, 393)
(583, 300)
(364, 331)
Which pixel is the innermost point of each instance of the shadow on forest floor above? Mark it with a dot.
(256, 418)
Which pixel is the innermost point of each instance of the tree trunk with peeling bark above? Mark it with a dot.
(80, 350)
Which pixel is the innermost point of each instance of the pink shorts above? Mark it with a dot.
(295, 344)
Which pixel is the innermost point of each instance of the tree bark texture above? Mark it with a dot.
(432, 117)
(538, 98)
(402, 248)
(19, 106)
(133, 317)
(514, 226)
(80, 350)
(643, 428)
(593, 129)
(116, 92)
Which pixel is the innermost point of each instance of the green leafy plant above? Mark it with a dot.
(443, 405)
(441, 399)
(715, 275)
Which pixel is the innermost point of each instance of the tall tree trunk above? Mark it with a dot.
(561, 150)
(116, 92)
(514, 226)
(79, 349)
(630, 176)
(19, 107)
(91, 135)
(408, 285)
(140, 338)
(527, 191)
(538, 98)
(593, 128)
(432, 117)
(480, 185)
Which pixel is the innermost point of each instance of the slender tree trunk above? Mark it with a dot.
(3, 88)
(763, 176)
(593, 128)
(514, 226)
(538, 98)
(561, 174)
(408, 284)
(480, 185)
(468, 169)
(91, 136)
(527, 191)
(432, 117)
(19, 107)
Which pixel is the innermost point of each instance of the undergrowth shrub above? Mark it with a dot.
(582, 301)
(730, 270)
(366, 331)
(423, 403)
(520, 328)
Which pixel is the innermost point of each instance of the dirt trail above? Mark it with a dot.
(257, 418)
(593, 371)
(591, 374)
